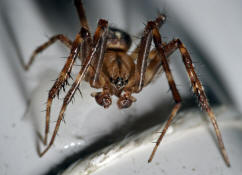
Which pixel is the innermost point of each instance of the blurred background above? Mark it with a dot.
(211, 30)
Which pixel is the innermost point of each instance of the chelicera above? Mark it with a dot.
(106, 65)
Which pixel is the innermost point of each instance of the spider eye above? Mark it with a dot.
(119, 82)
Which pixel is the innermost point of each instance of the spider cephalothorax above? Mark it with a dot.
(106, 65)
(117, 69)
(118, 40)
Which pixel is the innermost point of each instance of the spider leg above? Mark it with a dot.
(81, 14)
(161, 59)
(143, 54)
(134, 54)
(149, 33)
(160, 20)
(86, 46)
(155, 62)
(196, 84)
(199, 92)
(99, 41)
(63, 76)
(63, 39)
(98, 79)
(99, 63)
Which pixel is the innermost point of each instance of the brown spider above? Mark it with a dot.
(106, 65)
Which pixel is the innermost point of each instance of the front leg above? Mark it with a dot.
(155, 62)
(200, 93)
(196, 84)
(61, 81)
(151, 31)
(159, 21)
(142, 53)
(144, 50)
(99, 37)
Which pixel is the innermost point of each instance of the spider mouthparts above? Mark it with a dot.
(125, 101)
(102, 99)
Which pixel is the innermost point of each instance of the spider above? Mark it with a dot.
(106, 65)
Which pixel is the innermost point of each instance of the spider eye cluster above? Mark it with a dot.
(119, 82)
(118, 39)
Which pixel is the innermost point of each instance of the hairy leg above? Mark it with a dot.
(199, 92)
(87, 44)
(99, 41)
(196, 84)
(155, 63)
(63, 39)
(160, 20)
(141, 69)
(63, 76)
